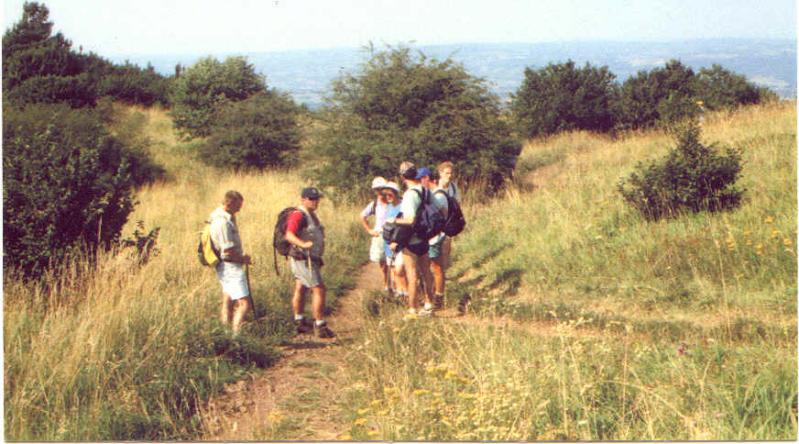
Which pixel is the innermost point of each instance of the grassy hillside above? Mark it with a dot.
(131, 353)
(591, 323)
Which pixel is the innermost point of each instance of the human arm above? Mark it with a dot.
(293, 226)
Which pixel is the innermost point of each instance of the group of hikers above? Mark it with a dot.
(408, 256)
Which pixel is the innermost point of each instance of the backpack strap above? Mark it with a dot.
(374, 208)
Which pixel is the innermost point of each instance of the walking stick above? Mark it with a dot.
(249, 289)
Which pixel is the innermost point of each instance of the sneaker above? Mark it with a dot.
(324, 332)
(426, 312)
(303, 326)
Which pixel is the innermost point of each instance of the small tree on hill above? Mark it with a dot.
(656, 97)
(205, 87)
(401, 106)
(719, 88)
(66, 183)
(259, 132)
(561, 97)
(692, 177)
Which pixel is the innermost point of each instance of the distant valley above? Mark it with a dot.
(306, 74)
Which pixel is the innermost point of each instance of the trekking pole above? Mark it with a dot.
(249, 289)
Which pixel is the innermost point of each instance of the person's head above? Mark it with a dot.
(391, 192)
(445, 169)
(377, 186)
(310, 198)
(232, 201)
(434, 179)
(408, 173)
(423, 176)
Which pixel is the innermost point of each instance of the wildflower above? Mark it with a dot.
(787, 242)
(775, 234)
(363, 411)
(382, 412)
(375, 402)
(420, 392)
(769, 220)
(372, 433)
(360, 421)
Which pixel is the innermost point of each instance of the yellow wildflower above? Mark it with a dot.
(787, 242)
(360, 421)
(375, 402)
(769, 220)
(363, 411)
(372, 433)
(420, 392)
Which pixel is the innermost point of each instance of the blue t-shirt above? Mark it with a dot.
(391, 212)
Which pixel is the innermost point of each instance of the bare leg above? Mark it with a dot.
(423, 265)
(384, 271)
(400, 279)
(298, 299)
(242, 307)
(319, 302)
(227, 310)
(437, 269)
(409, 264)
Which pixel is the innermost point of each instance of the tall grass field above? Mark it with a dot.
(130, 352)
(586, 322)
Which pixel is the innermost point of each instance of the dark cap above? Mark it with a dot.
(311, 193)
(409, 173)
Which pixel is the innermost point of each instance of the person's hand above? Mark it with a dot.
(393, 246)
(374, 233)
(391, 220)
(307, 245)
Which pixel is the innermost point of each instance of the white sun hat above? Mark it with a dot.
(378, 182)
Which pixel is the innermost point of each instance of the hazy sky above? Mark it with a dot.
(112, 27)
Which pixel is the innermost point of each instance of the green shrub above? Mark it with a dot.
(691, 177)
(134, 85)
(719, 88)
(560, 97)
(66, 184)
(400, 106)
(642, 97)
(258, 132)
(205, 87)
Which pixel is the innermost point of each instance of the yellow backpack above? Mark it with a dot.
(206, 252)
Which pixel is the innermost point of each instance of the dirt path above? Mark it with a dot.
(298, 398)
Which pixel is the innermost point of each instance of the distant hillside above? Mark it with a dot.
(307, 74)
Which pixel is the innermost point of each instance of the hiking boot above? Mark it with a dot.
(438, 302)
(303, 326)
(324, 332)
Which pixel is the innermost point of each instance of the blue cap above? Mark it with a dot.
(422, 172)
(311, 193)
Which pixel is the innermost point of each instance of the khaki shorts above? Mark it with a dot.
(309, 278)
(377, 251)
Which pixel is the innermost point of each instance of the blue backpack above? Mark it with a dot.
(429, 221)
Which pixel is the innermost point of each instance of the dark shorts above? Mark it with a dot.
(419, 249)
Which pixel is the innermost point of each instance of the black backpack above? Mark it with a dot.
(428, 221)
(455, 222)
(279, 243)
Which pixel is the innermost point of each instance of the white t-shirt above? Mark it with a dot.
(379, 212)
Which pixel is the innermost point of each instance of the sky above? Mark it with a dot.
(117, 27)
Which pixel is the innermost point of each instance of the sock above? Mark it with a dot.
(299, 317)
(428, 306)
(412, 310)
(320, 322)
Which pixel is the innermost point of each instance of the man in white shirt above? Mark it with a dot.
(230, 270)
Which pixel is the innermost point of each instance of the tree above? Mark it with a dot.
(719, 88)
(205, 87)
(650, 98)
(258, 132)
(67, 183)
(399, 106)
(561, 97)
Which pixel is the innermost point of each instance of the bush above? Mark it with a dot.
(691, 177)
(561, 97)
(207, 86)
(651, 98)
(719, 88)
(66, 184)
(403, 107)
(258, 132)
(134, 85)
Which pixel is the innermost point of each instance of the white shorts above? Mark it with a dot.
(398, 261)
(308, 277)
(377, 251)
(233, 279)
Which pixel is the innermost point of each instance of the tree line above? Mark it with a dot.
(69, 181)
